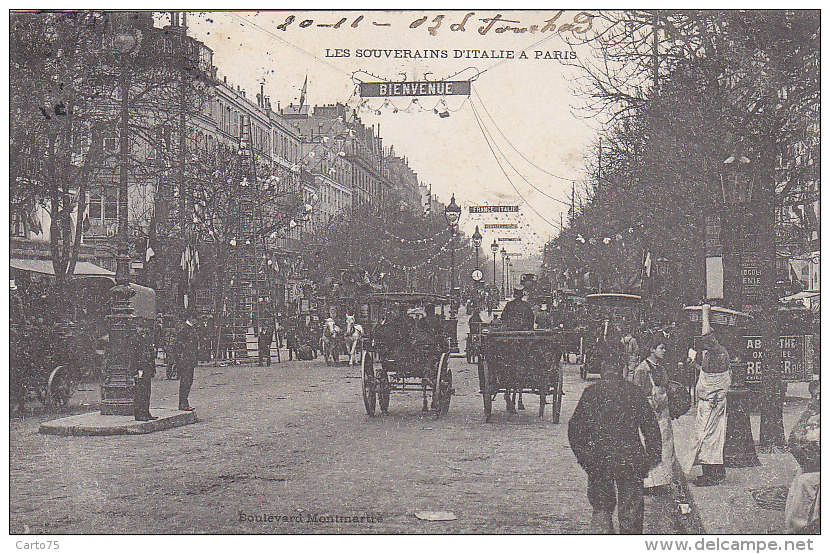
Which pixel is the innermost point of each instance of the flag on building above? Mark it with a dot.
(303, 92)
(152, 241)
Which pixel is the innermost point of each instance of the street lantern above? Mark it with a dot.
(477, 238)
(452, 213)
(737, 180)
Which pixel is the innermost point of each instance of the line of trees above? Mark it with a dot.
(678, 92)
(397, 247)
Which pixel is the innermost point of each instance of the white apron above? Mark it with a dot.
(710, 420)
(662, 473)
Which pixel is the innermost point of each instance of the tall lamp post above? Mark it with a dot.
(503, 272)
(494, 248)
(453, 214)
(736, 185)
(477, 244)
(117, 388)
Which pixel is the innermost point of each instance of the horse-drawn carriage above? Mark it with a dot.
(515, 362)
(48, 361)
(61, 345)
(610, 314)
(407, 349)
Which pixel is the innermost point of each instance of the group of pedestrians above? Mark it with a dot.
(621, 431)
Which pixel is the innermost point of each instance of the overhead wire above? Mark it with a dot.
(543, 170)
(492, 151)
(279, 38)
(563, 202)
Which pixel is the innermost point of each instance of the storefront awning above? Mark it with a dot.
(82, 269)
(143, 301)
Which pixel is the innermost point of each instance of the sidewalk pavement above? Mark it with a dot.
(731, 508)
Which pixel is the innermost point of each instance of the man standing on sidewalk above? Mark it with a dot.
(266, 337)
(710, 420)
(187, 361)
(604, 433)
(144, 369)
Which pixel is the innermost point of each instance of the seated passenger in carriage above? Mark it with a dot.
(517, 314)
(392, 333)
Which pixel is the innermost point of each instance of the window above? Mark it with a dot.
(95, 207)
(111, 206)
(111, 145)
(17, 229)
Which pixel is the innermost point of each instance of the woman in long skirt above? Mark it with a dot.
(651, 377)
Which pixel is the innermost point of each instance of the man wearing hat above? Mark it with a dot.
(187, 361)
(144, 369)
(710, 420)
(517, 314)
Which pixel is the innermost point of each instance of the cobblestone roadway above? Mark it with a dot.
(294, 439)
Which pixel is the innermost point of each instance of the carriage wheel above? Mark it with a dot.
(60, 387)
(443, 387)
(556, 406)
(486, 392)
(383, 388)
(369, 394)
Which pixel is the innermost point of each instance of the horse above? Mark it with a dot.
(328, 342)
(354, 333)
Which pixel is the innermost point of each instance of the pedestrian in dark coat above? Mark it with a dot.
(187, 347)
(144, 369)
(604, 433)
(291, 341)
(266, 337)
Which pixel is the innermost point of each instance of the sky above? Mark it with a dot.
(527, 105)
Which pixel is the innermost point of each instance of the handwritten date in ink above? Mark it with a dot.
(577, 24)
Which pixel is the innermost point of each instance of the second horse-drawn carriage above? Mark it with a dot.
(517, 362)
(406, 349)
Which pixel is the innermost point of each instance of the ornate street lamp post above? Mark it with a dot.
(117, 388)
(453, 214)
(477, 285)
(736, 185)
(503, 272)
(495, 249)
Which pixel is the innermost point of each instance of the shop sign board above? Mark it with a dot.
(795, 359)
